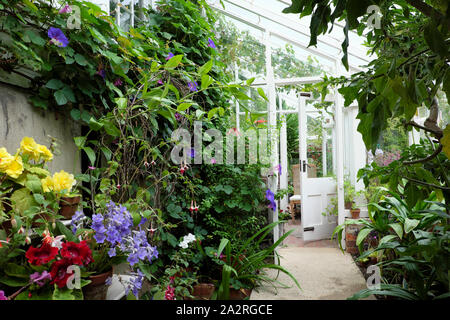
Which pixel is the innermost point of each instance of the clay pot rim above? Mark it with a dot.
(70, 201)
(99, 279)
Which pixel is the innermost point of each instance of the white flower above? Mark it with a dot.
(370, 157)
(57, 242)
(378, 152)
(186, 240)
(189, 238)
(184, 245)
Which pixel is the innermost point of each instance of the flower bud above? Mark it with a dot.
(14, 222)
(27, 240)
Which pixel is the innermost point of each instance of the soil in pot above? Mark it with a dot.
(68, 206)
(97, 289)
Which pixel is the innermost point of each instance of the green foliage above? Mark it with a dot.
(245, 267)
(413, 246)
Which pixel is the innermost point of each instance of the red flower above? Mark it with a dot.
(79, 254)
(42, 255)
(59, 273)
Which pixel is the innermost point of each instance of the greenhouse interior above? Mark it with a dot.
(224, 150)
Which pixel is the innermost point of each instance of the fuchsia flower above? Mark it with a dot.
(92, 168)
(213, 161)
(234, 131)
(160, 81)
(177, 116)
(170, 293)
(118, 82)
(66, 9)
(2, 295)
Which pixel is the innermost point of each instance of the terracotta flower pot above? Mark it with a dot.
(355, 213)
(348, 205)
(68, 206)
(97, 289)
(203, 291)
(240, 294)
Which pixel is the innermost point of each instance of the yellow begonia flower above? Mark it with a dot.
(15, 167)
(63, 181)
(5, 159)
(47, 184)
(29, 147)
(44, 152)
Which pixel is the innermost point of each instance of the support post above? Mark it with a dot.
(340, 151)
(273, 136)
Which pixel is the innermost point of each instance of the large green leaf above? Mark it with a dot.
(410, 224)
(173, 62)
(445, 141)
(362, 235)
(15, 270)
(397, 228)
(22, 200)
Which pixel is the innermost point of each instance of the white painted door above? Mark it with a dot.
(317, 182)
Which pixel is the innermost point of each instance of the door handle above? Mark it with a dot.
(304, 166)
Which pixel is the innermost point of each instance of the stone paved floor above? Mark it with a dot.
(323, 271)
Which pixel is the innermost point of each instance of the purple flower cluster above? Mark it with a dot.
(138, 248)
(77, 220)
(114, 226)
(135, 283)
(193, 86)
(40, 278)
(271, 197)
(211, 43)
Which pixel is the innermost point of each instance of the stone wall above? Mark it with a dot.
(19, 119)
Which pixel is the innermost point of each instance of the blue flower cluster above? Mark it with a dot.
(271, 197)
(135, 283)
(77, 220)
(116, 227)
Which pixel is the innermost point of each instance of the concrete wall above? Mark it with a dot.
(19, 119)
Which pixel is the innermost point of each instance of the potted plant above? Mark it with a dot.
(114, 239)
(68, 204)
(349, 194)
(242, 272)
(29, 191)
(355, 211)
(54, 268)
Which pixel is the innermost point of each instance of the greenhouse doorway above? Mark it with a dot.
(308, 152)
